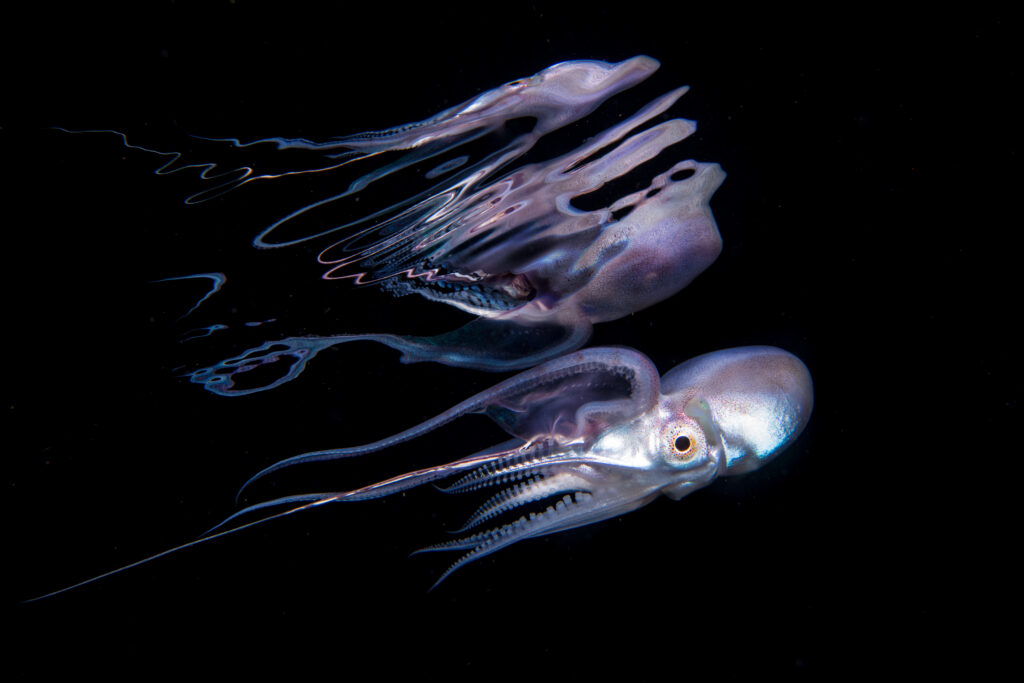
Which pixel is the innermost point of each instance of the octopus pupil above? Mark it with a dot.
(683, 443)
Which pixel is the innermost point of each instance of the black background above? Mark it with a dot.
(862, 150)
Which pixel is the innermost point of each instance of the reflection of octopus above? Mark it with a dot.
(596, 434)
(510, 249)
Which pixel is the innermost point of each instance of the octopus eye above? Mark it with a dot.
(683, 443)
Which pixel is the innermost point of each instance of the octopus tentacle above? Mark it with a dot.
(539, 487)
(571, 510)
(525, 462)
(635, 368)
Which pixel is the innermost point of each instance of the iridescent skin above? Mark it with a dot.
(598, 432)
(510, 249)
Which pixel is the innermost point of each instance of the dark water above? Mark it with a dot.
(819, 562)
